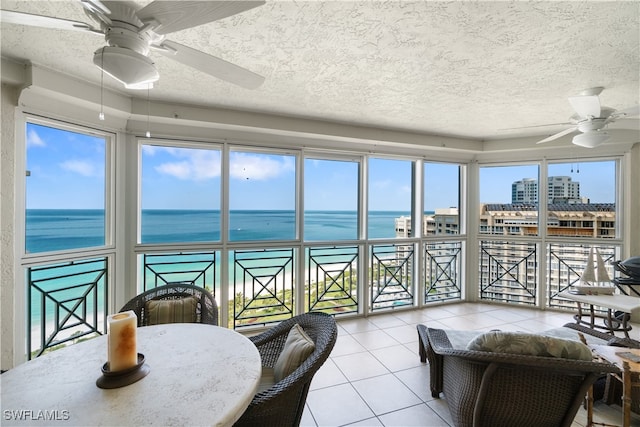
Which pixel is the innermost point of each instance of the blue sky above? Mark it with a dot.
(67, 172)
(66, 169)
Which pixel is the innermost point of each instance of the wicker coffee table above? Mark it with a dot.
(627, 368)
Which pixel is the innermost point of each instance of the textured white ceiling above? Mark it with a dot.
(467, 69)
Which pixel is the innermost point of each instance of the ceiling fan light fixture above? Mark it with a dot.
(590, 139)
(131, 68)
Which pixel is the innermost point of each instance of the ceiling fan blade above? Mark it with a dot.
(586, 105)
(11, 17)
(539, 126)
(211, 65)
(628, 112)
(95, 6)
(558, 135)
(179, 15)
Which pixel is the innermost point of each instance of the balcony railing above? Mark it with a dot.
(565, 265)
(197, 268)
(391, 280)
(332, 279)
(263, 286)
(508, 272)
(442, 264)
(66, 302)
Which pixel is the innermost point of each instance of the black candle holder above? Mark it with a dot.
(123, 377)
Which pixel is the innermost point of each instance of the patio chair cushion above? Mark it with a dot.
(180, 310)
(529, 344)
(267, 379)
(296, 349)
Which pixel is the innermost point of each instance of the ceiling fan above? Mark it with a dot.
(132, 32)
(591, 119)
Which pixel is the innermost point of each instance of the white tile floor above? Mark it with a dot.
(374, 376)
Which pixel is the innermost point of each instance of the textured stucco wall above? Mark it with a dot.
(8, 96)
(634, 243)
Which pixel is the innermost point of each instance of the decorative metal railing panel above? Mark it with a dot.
(196, 268)
(262, 286)
(66, 302)
(332, 279)
(442, 264)
(565, 265)
(391, 280)
(508, 272)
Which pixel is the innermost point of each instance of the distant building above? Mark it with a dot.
(568, 214)
(560, 189)
(443, 221)
(521, 219)
(563, 219)
(524, 191)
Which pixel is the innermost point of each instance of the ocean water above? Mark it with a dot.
(54, 230)
(57, 229)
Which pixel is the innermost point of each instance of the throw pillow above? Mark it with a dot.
(530, 344)
(296, 350)
(160, 311)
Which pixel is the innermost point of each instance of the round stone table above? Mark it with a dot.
(200, 375)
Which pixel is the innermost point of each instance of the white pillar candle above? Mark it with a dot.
(121, 343)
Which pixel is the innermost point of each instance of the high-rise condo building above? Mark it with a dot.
(560, 189)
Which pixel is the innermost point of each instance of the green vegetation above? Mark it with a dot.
(74, 338)
(272, 308)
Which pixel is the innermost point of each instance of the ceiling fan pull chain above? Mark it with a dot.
(148, 134)
(101, 115)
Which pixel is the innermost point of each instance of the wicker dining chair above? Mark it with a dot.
(283, 403)
(484, 388)
(206, 307)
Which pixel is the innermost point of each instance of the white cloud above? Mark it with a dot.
(149, 150)
(250, 166)
(81, 167)
(196, 165)
(180, 170)
(200, 165)
(34, 140)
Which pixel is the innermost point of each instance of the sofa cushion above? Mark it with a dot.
(529, 344)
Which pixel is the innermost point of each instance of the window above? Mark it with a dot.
(67, 209)
(65, 189)
(180, 194)
(262, 196)
(441, 198)
(582, 195)
(330, 199)
(509, 194)
(390, 195)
